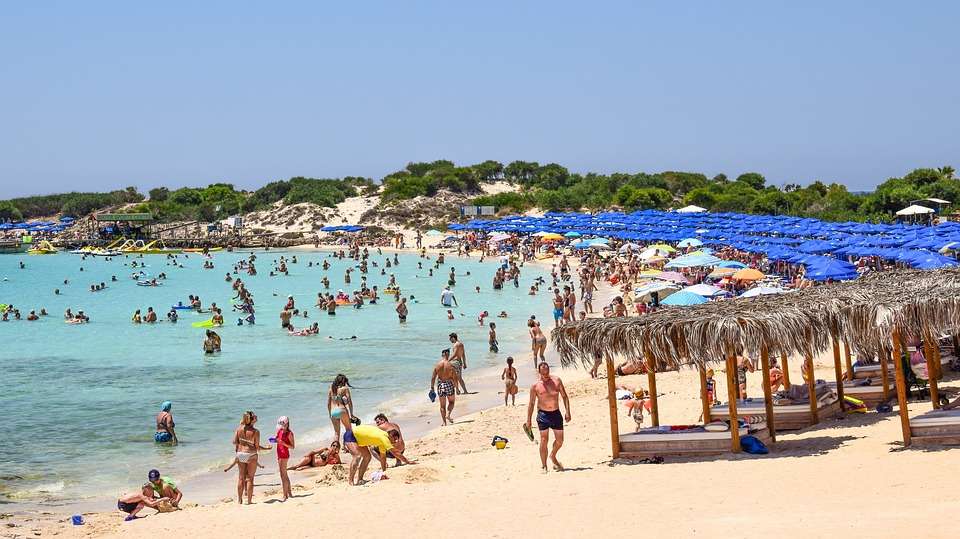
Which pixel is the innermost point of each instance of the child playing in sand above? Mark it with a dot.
(509, 377)
(492, 340)
(234, 463)
(635, 408)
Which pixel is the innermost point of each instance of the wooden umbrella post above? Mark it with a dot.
(612, 400)
(901, 387)
(767, 392)
(785, 367)
(838, 369)
(847, 361)
(652, 384)
(931, 371)
(884, 359)
(732, 394)
(811, 386)
(704, 397)
(937, 365)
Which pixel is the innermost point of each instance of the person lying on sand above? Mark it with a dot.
(319, 457)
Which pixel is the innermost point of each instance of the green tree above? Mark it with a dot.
(753, 179)
(9, 212)
(159, 194)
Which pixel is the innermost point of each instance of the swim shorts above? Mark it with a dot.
(162, 437)
(445, 388)
(549, 420)
(557, 313)
(127, 507)
(348, 437)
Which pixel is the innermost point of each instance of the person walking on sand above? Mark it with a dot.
(545, 394)
(458, 358)
(538, 340)
(285, 443)
(442, 383)
(509, 377)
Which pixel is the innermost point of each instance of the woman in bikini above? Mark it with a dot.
(319, 457)
(246, 442)
(509, 377)
(340, 405)
(539, 341)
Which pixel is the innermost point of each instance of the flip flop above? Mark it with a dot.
(528, 431)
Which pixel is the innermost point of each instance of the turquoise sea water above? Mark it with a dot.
(78, 405)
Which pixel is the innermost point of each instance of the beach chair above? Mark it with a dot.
(917, 379)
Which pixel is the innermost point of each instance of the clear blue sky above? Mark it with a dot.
(100, 95)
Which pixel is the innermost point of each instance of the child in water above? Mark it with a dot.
(492, 340)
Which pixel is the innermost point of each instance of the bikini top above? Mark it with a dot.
(165, 422)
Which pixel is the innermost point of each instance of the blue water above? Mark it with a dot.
(78, 402)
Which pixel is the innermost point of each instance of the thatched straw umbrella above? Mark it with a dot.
(872, 315)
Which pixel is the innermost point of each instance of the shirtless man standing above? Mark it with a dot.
(546, 394)
(557, 307)
(444, 381)
(459, 361)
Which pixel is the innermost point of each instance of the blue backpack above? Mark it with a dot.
(752, 445)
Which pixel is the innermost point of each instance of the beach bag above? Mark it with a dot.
(752, 445)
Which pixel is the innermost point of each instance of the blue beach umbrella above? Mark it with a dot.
(684, 297)
(689, 242)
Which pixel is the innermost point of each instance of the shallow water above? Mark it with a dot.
(78, 406)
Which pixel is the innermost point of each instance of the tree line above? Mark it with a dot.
(548, 187)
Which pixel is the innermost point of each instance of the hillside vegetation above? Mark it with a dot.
(547, 187)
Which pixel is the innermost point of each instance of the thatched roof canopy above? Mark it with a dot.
(862, 313)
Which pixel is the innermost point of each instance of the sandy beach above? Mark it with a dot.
(814, 483)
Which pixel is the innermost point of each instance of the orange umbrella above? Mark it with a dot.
(722, 272)
(748, 274)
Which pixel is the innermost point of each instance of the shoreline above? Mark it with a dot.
(419, 421)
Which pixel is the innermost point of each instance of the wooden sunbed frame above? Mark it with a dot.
(786, 417)
(936, 427)
(650, 443)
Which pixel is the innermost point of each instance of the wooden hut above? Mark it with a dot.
(873, 314)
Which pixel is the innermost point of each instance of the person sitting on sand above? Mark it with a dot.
(133, 503)
(396, 438)
(319, 457)
(165, 487)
